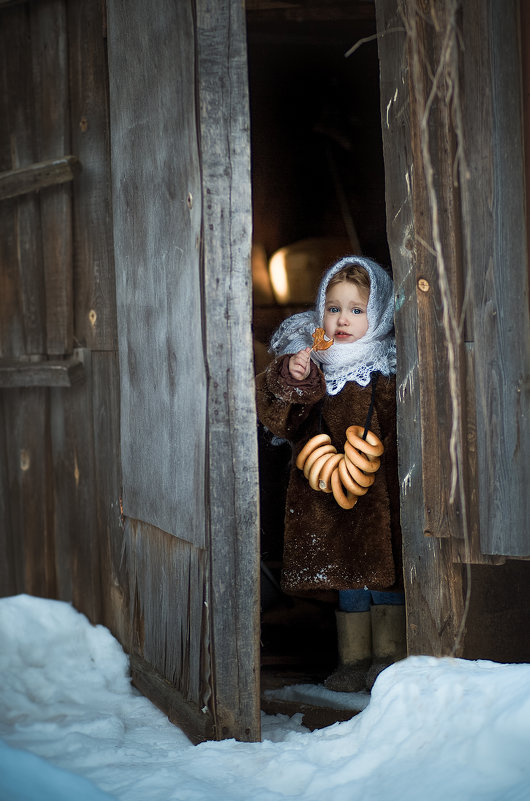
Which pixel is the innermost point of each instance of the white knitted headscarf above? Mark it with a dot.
(355, 361)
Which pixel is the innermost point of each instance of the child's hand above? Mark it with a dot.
(300, 364)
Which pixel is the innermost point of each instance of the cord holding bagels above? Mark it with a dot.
(347, 475)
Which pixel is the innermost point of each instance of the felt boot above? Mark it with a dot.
(354, 640)
(389, 641)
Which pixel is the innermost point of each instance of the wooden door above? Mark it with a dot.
(456, 203)
(182, 227)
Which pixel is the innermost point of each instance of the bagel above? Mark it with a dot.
(345, 500)
(326, 471)
(361, 478)
(309, 447)
(315, 455)
(365, 463)
(348, 481)
(371, 446)
(316, 468)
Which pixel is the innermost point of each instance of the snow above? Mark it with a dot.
(317, 695)
(73, 728)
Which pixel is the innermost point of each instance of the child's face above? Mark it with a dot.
(345, 318)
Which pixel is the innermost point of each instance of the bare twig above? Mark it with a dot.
(372, 38)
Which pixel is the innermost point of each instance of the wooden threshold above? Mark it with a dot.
(313, 717)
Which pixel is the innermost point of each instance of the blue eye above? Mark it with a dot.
(333, 309)
(357, 311)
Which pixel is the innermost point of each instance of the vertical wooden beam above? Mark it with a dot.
(498, 272)
(105, 424)
(433, 584)
(94, 284)
(431, 44)
(22, 313)
(232, 443)
(11, 581)
(49, 52)
(30, 489)
(525, 65)
(77, 543)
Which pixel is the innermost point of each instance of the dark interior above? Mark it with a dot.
(317, 178)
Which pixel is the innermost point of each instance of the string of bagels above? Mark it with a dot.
(347, 475)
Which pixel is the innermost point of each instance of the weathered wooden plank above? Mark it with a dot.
(199, 683)
(433, 585)
(467, 549)
(166, 585)
(22, 311)
(432, 50)
(198, 728)
(51, 373)
(76, 539)
(29, 264)
(232, 440)
(94, 282)
(11, 314)
(313, 717)
(11, 563)
(52, 123)
(38, 176)
(498, 273)
(525, 80)
(157, 220)
(107, 482)
(27, 451)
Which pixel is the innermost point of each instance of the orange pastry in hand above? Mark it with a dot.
(319, 343)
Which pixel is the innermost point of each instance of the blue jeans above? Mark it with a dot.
(361, 600)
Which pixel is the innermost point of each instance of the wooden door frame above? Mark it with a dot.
(232, 448)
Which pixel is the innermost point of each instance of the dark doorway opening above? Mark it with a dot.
(318, 194)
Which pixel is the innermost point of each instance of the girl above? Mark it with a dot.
(304, 392)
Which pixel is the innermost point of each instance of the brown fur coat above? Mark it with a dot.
(327, 547)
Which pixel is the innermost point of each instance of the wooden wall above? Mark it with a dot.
(57, 307)
(143, 245)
